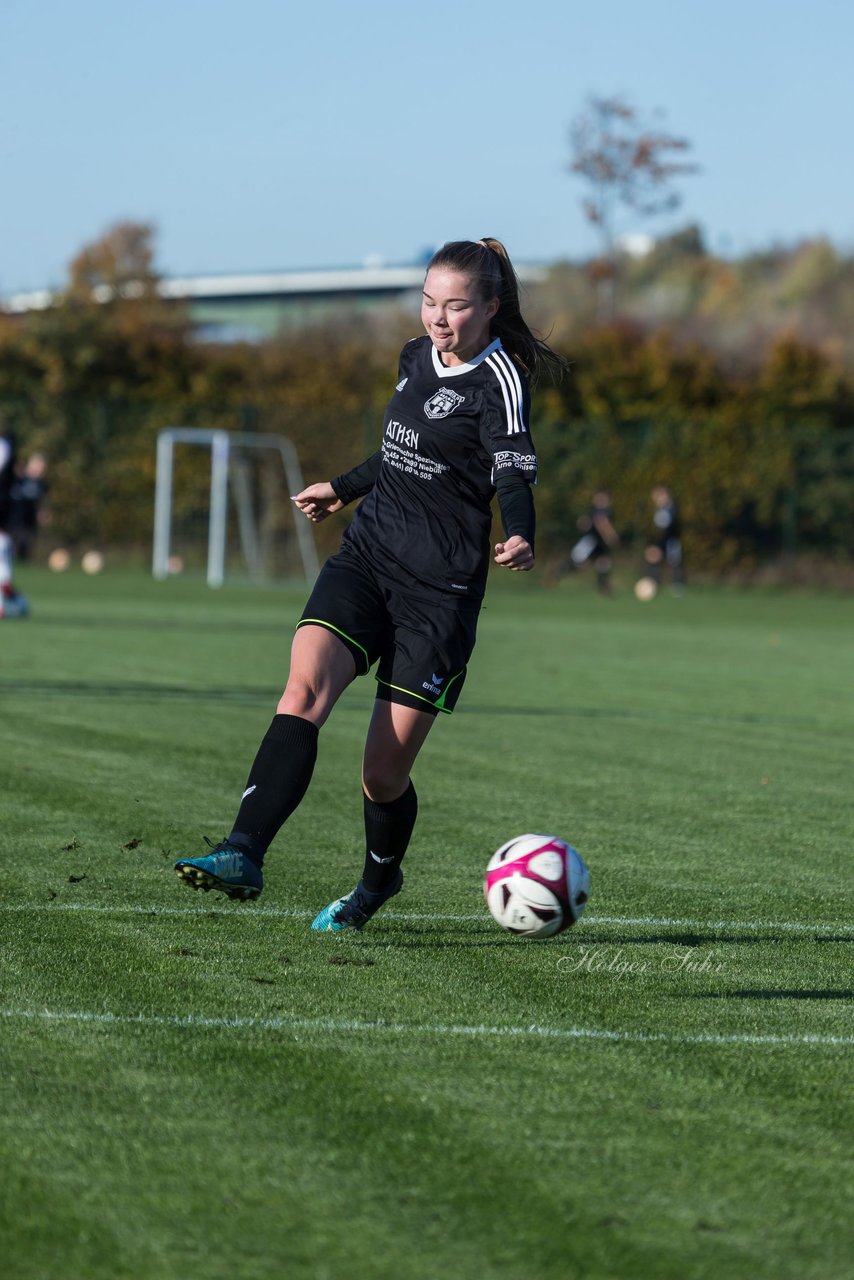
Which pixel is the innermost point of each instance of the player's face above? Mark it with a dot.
(455, 316)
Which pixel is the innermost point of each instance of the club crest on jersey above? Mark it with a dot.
(442, 403)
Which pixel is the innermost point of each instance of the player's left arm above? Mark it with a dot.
(516, 503)
(507, 437)
(515, 553)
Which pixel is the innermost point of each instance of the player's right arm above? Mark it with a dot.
(328, 496)
(356, 483)
(317, 501)
(605, 529)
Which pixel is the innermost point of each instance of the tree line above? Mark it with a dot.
(758, 446)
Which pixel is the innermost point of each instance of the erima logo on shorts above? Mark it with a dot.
(443, 402)
(435, 687)
(401, 384)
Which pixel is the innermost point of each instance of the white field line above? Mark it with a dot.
(290, 913)
(336, 1026)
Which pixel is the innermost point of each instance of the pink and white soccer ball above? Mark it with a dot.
(536, 885)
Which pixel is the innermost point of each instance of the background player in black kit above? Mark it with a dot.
(405, 588)
(12, 603)
(664, 546)
(598, 539)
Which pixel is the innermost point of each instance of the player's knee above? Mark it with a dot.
(304, 700)
(383, 779)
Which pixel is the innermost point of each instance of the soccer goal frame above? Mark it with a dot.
(223, 445)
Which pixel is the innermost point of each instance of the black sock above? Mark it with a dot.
(388, 828)
(277, 782)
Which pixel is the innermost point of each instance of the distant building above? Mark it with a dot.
(254, 307)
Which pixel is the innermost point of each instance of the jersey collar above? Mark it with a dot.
(453, 370)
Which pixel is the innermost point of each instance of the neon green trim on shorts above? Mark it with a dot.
(319, 622)
(437, 706)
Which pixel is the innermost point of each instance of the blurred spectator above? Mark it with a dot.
(28, 492)
(8, 457)
(598, 539)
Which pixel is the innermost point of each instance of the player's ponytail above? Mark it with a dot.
(487, 264)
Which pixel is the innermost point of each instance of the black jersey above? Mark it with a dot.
(667, 523)
(450, 433)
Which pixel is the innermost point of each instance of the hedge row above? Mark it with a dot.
(761, 463)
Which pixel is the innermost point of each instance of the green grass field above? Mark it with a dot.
(195, 1089)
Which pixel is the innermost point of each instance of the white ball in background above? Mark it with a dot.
(646, 589)
(59, 560)
(92, 562)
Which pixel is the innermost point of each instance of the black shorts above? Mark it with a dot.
(422, 645)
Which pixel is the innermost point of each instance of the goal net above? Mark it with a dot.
(228, 507)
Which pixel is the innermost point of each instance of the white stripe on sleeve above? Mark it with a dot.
(511, 389)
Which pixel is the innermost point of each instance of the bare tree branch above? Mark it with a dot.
(624, 162)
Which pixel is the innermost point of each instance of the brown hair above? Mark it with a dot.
(487, 265)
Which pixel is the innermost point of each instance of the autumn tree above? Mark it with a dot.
(110, 352)
(114, 330)
(119, 264)
(624, 161)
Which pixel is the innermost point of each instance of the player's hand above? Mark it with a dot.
(515, 554)
(317, 501)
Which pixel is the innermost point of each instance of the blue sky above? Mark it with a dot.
(262, 135)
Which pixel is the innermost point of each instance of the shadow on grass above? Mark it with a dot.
(132, 622)
(829, 994)
(469, 935)
(416, 940)
(705, 939)
(131, 689)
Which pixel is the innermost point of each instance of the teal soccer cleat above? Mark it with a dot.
(225, 869)
(354, 911)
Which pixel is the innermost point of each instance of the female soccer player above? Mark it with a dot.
(404, 590)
